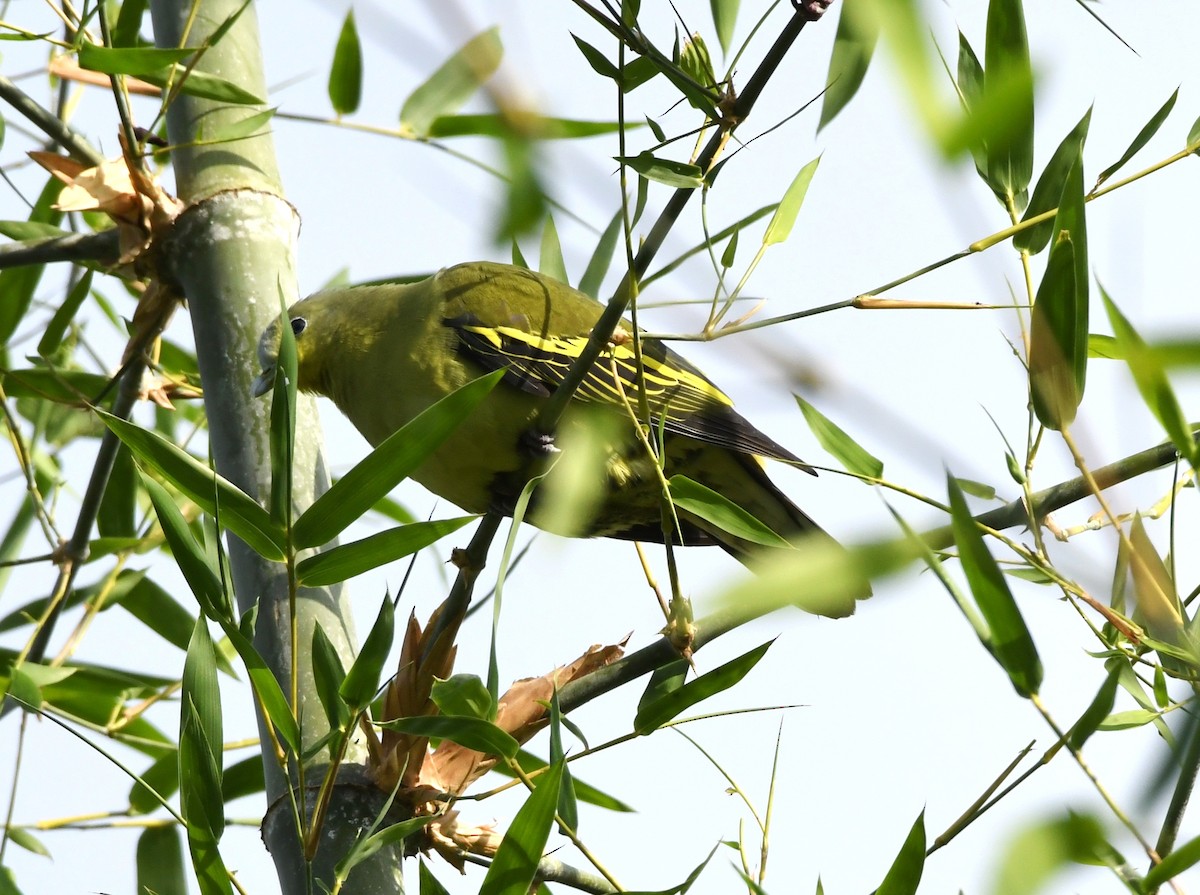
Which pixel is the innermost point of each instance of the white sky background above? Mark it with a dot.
(901, 708)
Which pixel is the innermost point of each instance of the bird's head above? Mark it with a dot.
(313, 323)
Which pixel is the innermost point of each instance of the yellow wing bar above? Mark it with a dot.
(679, 396)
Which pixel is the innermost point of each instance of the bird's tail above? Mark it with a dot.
(746, 482)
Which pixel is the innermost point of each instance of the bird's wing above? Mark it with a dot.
(679, 395)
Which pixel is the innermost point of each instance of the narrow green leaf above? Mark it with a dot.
(72, 388)
(1183, 858)
(26, 840)
(1050, 187)
(17, 284)
(347, 560)
(125, 34)
(362, 680)
(724, 14)
(597, 60)
(346, 72)
(1149, 129)
(1055, 395)
(1047, 847)
(28, 231)
(282, 436)
(540, 127)
(1162, 696)
(658, 712)
(785, 215)
(8, 880)
(550, 258)
(429, 883)
(201, 737)
(982, 490)
(243, 778)
(239, 512)
(117, 517)
(24, 689)
(205, 86)
(453, 83)
(841, 446)
(1072, 219)
(1152, 382)
(970, 82)
(135, 61)
(328, 675)
(730, 254)
(193, 562)
(1007, 68)
(1158, 606)
(1129, 720)
(246, 126)
(515, 865)
(1008, 637)
(1099, 709)
(1193, 137)
(679, 175)
(473, 733)
(266, 687)
(391, 835)
(159, 781)
(568, 806)
(390, 463)
(853, 47)
(160, 853)
(57, 327)
(197, 777)
(598, 264)
(638, 72)
(904, 876)
(707, 504)
(665, 680)
(464, 695)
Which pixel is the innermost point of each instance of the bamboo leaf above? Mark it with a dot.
(346, 72)
(1050, 187)
(464, 695)
(1149, 129)
(456, 81)
(853, 48)
(1008, 638)
(362, 680)
(473, 733)
(658, 711)
(707, 504)
(515, 865)
(347, 560)
(785, 215)
(390, 463)
(1152, 382)
(904, 876)
(239, 512)
(841, 446)
(1007, 68)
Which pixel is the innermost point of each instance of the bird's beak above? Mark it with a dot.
(264, 382)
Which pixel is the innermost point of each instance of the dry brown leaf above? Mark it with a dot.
(400, 756)
(453, 840)
(521, 712)
(67, 68)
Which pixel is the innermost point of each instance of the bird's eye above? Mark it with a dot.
(299, 325)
